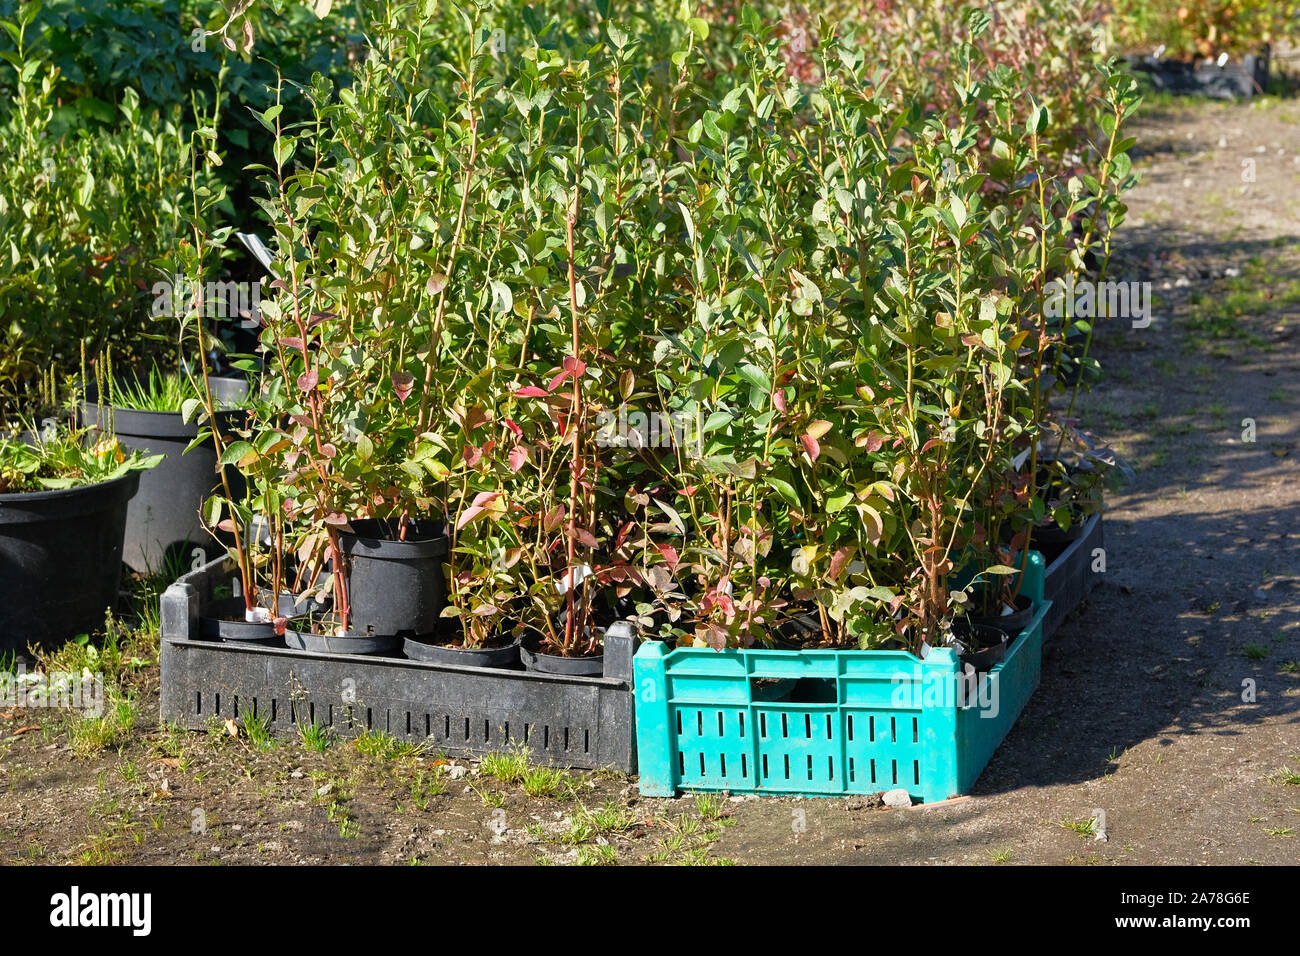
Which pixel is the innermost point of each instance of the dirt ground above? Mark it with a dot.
(1145, 710)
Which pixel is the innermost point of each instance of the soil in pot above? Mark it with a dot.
(226, 621)
(985, 646)
(60, 560)
(396, 587)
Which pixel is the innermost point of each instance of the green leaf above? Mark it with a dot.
(236, 451)
(785, 490)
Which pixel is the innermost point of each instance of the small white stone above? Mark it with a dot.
(897, 799)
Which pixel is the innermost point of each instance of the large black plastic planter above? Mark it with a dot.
(395, 587)
(60, 561)
(581, 722)
(163, 526)
(1070, 578)
(1235, 79)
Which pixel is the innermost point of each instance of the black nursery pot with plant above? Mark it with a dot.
(1012, 623)
(163, 525)
(60, 560)
(503, 656)
(396, 587)
(985, 645)
(225, 621)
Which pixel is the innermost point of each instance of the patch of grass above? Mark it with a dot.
(1000, 856)
(1084, 827)
(1256, 652)
(385, 746)
(315, 737)
(684, 825)
(1280, 831)
(709, 805)
(258, 730)
(427, 784)
(491, 798)
(120, 652)
(90, 735)
(596, 856)
(1291, 667)
(548, 782)
(509, 767)
(1286, 776)
(580, 831)
(336, 801)
(612, 818)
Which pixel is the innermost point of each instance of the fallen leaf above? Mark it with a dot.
(232, 728)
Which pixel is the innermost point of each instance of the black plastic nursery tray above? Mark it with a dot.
(1070, 578)
(579, 722)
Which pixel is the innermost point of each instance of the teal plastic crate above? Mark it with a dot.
(828, 723)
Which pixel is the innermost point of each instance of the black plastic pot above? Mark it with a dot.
(987, 645)
(507, 656)
(395, 588)
(163, 526)
(299, 638)
(60, 560)
(1012, 623)
(225, 622)
(291, 605)
(555, 664)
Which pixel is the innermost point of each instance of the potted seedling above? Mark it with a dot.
(63, 502)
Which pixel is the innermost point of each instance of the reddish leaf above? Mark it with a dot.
(531, 391)
(573, 365)
(778, 399)
(551, 386)
(291, 342)
(872, 442)
(403, 382)
(514, 429)
(810, 445)
(586, 538)
(308, 380)
(473, 455)
(518, 456)
(477, 507)
(336, 518)
(670, 555)
(838, 560)
(328, 450)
